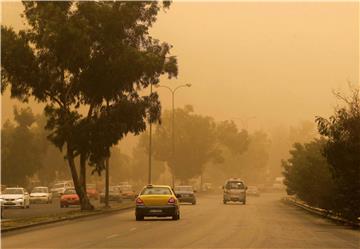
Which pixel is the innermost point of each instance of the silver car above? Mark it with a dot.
(234, 190)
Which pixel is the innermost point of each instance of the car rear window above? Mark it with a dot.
(70, 192)
(156, 191)
(39, 190)
(235, 185)
(183, 188)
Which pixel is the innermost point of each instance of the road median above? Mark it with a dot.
(20, 223)
(319, 211)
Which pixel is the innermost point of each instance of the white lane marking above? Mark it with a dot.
(132, 229)
(112, 236)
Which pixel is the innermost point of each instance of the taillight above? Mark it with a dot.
(171, 200)
(139, 201)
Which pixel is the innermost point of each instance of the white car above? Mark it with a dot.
(15, 197)
(59, 188)
(40, 195)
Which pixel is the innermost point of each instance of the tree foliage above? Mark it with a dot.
(307, 174)
(87, 61)
(342, 151)
(195, 143)
(21, 153)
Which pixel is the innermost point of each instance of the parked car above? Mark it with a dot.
(40, 195)
(127, 192)
(185, 194)
(15, 197)
(234, 190)
(69, 198)
(253, 190)
(59, 188)
(114, 194)
(157, 201)
(92, 191)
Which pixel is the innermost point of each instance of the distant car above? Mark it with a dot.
(114, 194)
(234, 190)
(92, 191)
(207, 186)
(69, 198)
(185, 194)
(127, 192)
(15, 197)
(157, 201)
(40, 195)
(253, 190)
(59, 188)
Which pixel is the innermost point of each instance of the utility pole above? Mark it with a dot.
(107, 183)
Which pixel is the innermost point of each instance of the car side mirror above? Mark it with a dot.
(223, 187)
(177, 195)
(195, 190)
(246, 188)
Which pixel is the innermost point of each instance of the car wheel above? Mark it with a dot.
(224, 201)
(139, 217)
(176, 216)
(193, 203)
(23, 207)
(244, 202)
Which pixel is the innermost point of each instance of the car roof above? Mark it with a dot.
(40, 187)
(15, 188)
(159, 186)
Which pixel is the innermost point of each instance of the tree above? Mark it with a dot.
(87, 61)
(140, 162)
(195, 143)
(21, 154)
(307, 174)
(342, 151)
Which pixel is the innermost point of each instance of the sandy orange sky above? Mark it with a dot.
(277, 62)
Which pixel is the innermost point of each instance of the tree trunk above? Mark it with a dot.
(84, 200)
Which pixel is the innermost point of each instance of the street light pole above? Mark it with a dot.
(150, 144)
(173, 125)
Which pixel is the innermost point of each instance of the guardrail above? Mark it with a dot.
(320, 211)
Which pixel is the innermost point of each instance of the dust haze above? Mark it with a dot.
(266, 66)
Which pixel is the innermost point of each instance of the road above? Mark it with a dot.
(264, 222)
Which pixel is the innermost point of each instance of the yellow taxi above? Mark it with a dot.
(157, 201)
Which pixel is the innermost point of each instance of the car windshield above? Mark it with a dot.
(39, 190)
(112, 189)
(156, 191)
(235, 185)
(90, 186)
(13, 191)
(184, 188)
(125, 188)
(59, 185)
(70, 192)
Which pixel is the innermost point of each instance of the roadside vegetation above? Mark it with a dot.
(326, 172)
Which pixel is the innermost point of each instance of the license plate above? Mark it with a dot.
(155, 211)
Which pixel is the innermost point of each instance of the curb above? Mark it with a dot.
(319, 211)
(101, 212)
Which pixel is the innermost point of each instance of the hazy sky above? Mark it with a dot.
(277, 62)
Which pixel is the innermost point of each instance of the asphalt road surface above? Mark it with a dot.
(264, 222)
